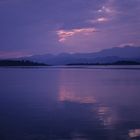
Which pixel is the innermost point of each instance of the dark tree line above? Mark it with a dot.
(114, 63)
(20, 63)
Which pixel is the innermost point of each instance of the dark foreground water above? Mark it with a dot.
(70, 103)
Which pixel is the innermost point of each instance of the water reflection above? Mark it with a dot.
(102, 112)
(99, 116)
(63, 104)
(65, 95)
(134, 133)
(105, 116)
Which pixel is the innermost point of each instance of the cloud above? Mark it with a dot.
(127, 44)
(102, 19)
(105, 9)
(42, 24)
(106, 12)
(99, 20)
(108, 9)
(65, 34)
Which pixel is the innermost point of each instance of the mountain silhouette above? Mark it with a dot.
(111, 55)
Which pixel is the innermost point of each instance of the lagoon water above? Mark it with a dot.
(60, 103)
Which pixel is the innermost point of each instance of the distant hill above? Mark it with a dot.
(111, 55)
(19, 63)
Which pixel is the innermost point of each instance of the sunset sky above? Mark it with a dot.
(54, 26)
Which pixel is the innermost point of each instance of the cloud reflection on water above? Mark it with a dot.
(103, 113)
(69, 104)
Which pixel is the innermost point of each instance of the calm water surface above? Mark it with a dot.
(70, 103)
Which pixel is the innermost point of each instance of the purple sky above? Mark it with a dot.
(55, 26)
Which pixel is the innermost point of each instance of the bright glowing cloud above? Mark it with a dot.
(102, 19)
(65, 34)
(108, 7)
(107, 12)
(99, 20)
(105, 9)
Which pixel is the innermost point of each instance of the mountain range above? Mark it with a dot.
(111, 55)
